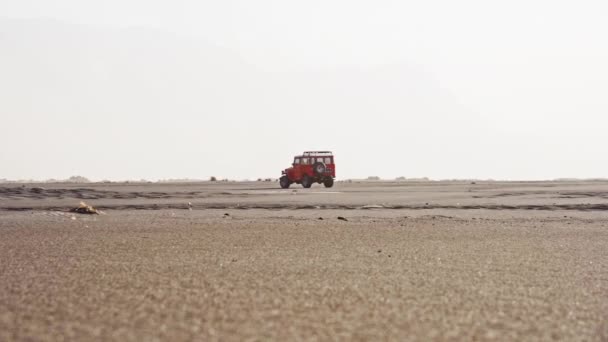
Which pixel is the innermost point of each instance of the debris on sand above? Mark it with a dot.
(226, 215)
(342, 218)
(373, 206)
(320, 218)
(189, 205)
(83, 208)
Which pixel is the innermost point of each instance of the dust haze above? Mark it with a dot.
(131, 90)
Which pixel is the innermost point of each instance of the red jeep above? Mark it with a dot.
(310, 167)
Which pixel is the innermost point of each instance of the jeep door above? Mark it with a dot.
(305, 168)
(295, 173)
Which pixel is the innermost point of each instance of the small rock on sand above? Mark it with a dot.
(83, 208)
(342, 218)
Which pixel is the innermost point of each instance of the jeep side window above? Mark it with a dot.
(296, 161)
(327, 160)
(305, 161)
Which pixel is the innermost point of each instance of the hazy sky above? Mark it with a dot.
(173, 89)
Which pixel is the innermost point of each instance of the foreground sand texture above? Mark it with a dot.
(413, 261)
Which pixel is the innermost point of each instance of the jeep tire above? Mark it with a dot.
(319, 168)
(284, 182)
(328, 182)
(306, 181)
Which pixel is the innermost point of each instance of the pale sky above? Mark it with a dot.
(149, 89)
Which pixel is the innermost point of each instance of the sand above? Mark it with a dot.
(412, 261)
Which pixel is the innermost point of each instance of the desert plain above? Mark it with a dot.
(248, 261)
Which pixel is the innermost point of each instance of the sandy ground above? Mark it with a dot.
(412, 261)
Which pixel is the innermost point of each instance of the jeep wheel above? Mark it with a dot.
(284, 182)
(306, 182)
(319, 168)
(329, 182)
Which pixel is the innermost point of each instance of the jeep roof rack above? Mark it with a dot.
(317, 153)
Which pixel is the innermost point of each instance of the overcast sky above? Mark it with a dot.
(150, 89)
